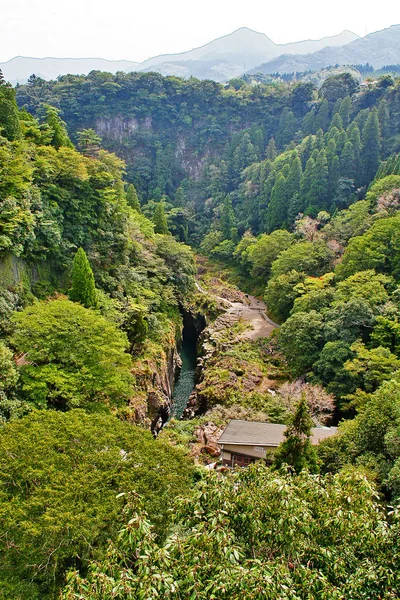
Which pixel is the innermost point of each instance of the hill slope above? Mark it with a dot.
(378, 49)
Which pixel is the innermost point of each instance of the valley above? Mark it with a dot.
(176, 255)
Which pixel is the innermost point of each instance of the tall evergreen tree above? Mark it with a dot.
(354, 136)
(9, 114)
(132, 197)
(345, 111)
(309, 123)
(278, 204)
(371, 146)
(297, 450)
(286, 129)
(333, 175)
(160, 219)
(348, 161)
(271, 151)
(228, 220)
(322, 118)
(58, 128)
(337, 121)
(83, 288)
(384, 119)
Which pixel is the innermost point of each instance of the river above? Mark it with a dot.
(185, 384)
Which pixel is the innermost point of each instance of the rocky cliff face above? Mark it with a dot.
(117, 128)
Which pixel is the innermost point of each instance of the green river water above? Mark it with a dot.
(184, 386)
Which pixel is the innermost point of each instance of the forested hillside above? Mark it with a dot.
(271, 150)
(290, 193)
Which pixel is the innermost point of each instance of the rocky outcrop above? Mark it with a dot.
(117, 128)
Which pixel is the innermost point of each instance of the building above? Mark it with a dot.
(244, 442)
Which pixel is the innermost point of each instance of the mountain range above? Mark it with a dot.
(378, 49)
(230, 56)
(226, 57)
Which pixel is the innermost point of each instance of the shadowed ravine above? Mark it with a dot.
(185, 383)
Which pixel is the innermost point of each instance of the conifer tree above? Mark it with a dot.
(319, 141)
(58, 128)
(322, 118)
(9, 114)
(348, 161)
(286, 128)
(319, 185)
(309, 123)
(271, 151)
(345, 111)
(278, 207)
(83, 288)
(160, 219)
(306, 150)
(297, 450)
(337, 122)
(228, 220)
(132, 197)
(334, 174)
(384, 117)
(340, 142)
(294, 177)
(306, 180)
(354, 136)
(371, 146)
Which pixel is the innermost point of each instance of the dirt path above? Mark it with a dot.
(254, 312)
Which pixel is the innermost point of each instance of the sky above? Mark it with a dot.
(136, 30)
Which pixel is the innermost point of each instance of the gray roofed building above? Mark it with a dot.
(243, 442)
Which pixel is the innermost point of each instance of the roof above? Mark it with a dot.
(251, 433)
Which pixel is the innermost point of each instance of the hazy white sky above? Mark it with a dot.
(138, 29)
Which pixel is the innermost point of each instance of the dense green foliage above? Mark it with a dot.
(257, 534)
(274, 149)
(83, 288)
(76, 358)
(297, 191)
(60, 474)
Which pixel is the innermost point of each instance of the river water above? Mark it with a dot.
(185, 384)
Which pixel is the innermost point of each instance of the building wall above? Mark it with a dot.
(235, 455)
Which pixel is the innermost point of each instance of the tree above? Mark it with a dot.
(9, 115)
(377, 249)
(370, 368)
(297, 450)
(8, 379)
(348, 161)
(262, 253)
(89, 142)
(75, 357)
(338, 86)
(311, 258)
(286, 128)
(371, 146)
(83, 288)
(160, 219)
(301, 339)
(132, 197)
(322, 117)
(384, 123)
(59, 134)
(278, 204)
(280, 294)
(227, 220)
(259, 534)
(345, 111)
(320, 403)
(271, 151)
(62, 493)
